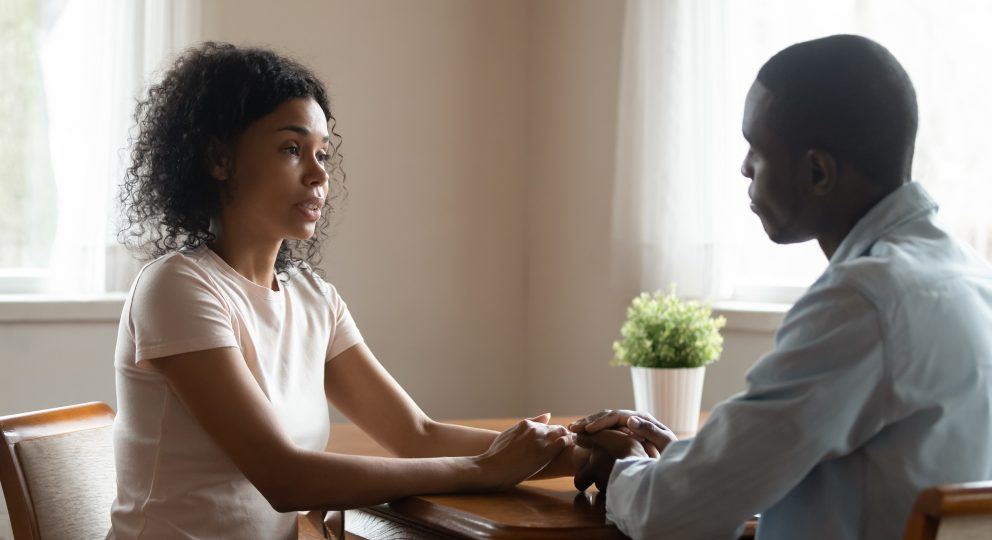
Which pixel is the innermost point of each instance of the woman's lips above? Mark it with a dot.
(309, 210)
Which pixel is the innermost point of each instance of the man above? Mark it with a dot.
(880, 383)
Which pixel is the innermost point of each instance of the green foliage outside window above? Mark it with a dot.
(662, 331)
(27, 188)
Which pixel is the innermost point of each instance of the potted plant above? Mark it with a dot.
(667, 343)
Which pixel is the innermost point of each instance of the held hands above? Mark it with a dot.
(522, 450)
(613, 435)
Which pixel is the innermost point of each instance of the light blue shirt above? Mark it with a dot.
(879, 386)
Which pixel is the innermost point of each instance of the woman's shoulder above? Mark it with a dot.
(173, 272)
(305, 277)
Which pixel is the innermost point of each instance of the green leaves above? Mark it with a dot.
(663, 332)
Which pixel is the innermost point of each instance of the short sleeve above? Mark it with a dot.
(174, 309)
(344, 331)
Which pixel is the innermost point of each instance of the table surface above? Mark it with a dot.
(536, 509)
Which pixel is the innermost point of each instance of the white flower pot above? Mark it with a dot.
(673, 396)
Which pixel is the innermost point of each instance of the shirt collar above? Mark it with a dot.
(908, 202)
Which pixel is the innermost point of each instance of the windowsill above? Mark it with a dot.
(757, 317)
(37, 308)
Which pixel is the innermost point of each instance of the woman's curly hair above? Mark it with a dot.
(208, 97)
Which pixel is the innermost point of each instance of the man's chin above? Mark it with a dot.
(783, 237)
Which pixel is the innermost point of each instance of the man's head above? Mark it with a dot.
(832, 126)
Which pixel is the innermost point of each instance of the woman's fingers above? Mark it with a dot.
(542, 418)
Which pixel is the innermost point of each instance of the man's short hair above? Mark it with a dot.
(846, 95)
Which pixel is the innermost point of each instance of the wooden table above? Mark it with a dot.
(533, 510)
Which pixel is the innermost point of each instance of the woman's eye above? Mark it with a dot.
(323, 157)
(292, 150)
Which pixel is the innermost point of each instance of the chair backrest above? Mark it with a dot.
(57, 471)
(952, 512)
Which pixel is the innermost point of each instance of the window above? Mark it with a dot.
(71, 70)
(27, 190)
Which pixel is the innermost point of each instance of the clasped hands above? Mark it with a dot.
(610, 435)
(587, 448)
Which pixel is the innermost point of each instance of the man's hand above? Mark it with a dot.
(642, 426)
(613, 435)
(607, 446)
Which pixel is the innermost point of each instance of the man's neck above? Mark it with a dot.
(847, 217)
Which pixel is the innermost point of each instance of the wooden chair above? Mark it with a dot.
(59, 480)
(57, 471)
(952, 512)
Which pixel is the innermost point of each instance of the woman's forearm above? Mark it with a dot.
(440, 439)
(326, 481)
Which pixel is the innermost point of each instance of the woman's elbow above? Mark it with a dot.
(278, 482)
(279, 493)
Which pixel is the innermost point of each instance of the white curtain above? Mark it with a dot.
(97, 57)
(671, 153)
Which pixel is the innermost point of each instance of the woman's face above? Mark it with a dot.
(277, 186)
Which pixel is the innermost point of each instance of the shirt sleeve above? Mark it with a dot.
(344, 333)
(174, 309)
(815, 397)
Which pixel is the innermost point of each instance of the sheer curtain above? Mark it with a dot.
(96, 58)
(680, 205)
(671, 153)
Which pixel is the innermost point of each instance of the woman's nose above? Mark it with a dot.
(317, 173)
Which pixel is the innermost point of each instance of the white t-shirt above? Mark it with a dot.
(173, 481)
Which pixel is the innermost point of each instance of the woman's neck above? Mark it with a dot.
(255, 261)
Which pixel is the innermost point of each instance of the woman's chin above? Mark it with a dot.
(301, 233)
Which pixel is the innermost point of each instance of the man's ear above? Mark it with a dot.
(822, 171)
(219, 160)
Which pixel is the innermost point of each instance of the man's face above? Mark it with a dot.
(778, 194)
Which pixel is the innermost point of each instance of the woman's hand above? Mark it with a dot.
(519, 452)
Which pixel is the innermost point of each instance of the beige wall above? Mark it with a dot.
(572, 313)
(431, 102)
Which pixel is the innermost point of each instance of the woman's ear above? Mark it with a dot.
(822, 171)
(219, 160)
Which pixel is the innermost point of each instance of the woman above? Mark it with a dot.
(230, 345)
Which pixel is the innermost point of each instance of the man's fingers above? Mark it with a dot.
(606, 421)
(609, 418)
(614, 442)
(651, 449)
(659, 436)
(580, 424)
(585, 477)
(585, 441)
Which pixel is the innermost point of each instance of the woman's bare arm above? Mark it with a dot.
(361, 388)
(218, 389)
